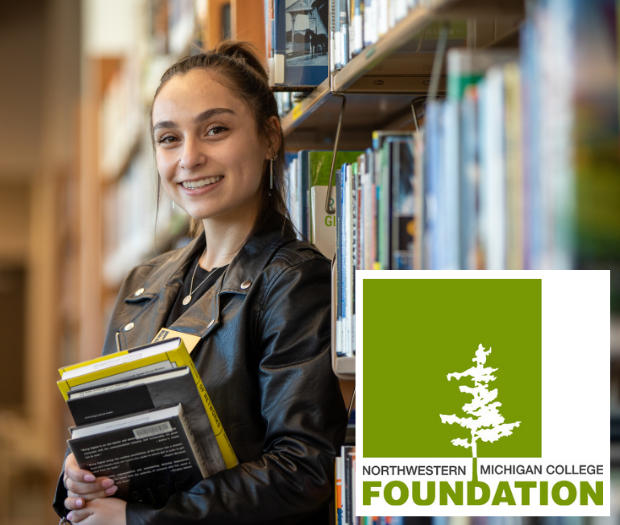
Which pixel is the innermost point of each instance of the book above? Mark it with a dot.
(339, 479)
(155, 391)
(402, 206)
(300, 42)
(316, 165)
(131, 364)
(323, 224)
(149, 455)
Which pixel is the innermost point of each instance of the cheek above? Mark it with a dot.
(163, 164)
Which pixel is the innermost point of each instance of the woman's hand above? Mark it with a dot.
(108, 511)
(82, 486)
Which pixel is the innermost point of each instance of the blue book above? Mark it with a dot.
(402, 216)
(301, 38)
(431, 180)
(340, 264)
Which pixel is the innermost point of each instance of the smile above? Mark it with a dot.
(200, 183)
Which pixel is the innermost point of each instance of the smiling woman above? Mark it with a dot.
(211, 162)
(256, 297)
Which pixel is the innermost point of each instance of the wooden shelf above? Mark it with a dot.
(381, 82)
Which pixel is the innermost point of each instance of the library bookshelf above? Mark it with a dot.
(389, 79)
(386, 86)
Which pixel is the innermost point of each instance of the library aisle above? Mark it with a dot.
(420, 134)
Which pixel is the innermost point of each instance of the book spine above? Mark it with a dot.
(449, 188)
(340, 261)
(418, 193)
(349, 268)
(67, 384)
(228, 454)
(514, 168)
(339, 474)
(279, 41)
(348, 483)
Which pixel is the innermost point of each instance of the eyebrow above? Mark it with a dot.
(205, 115)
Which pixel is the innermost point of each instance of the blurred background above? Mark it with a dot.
(79, 200)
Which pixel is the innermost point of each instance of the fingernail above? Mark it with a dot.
(107, 483)
(111, 490)
(79, 502)
(70, 516)
(89, 477)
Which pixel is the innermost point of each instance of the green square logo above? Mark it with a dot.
(452, 368)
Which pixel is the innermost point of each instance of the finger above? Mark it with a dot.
(100, 486)
(110, 491)
(75, 516)
(78, 474)
(73, 471)
(74, 503)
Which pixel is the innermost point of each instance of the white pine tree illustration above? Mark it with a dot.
(485, 423)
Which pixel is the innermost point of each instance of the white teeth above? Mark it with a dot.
(195, 184)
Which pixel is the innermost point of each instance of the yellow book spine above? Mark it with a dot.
(67, 384)
(228, 454)
(99, 359)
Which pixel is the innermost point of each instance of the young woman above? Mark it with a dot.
(257, 297)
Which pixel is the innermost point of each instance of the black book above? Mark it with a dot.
(149, 455)
(164, 389)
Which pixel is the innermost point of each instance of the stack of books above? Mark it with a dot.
(143, 418)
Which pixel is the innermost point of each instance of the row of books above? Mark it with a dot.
(520, 161)
(495, 179)
(144, 418)
(375, 221)
(478, 520)
(306, 38)
(357, 24)
(307, 179)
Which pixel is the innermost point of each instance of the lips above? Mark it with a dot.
(200, 183)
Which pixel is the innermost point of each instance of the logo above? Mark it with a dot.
(484, 421)
(482, 393)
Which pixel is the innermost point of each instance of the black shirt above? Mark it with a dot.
(203, 280)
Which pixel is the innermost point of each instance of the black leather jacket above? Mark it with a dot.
(264, 357)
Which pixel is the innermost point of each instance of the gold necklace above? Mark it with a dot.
(188, 298)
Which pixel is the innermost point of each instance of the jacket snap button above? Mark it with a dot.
(128, 326)
(245, 284)
(211, 323)
(138, 292)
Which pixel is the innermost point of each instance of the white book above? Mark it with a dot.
(323, 224)
(493, 172)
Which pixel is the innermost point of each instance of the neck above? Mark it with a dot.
(224, 239)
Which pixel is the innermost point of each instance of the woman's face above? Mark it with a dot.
(209, 154)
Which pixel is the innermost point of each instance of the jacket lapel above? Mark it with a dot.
(203, 317)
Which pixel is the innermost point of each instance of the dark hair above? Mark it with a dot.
(243, 73)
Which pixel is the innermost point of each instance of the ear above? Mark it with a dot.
(274, 136)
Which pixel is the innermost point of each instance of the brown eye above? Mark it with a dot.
(216, 130)
(166, 139)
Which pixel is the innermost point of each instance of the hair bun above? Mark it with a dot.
(243, 52)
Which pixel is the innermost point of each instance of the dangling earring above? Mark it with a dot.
(271, 162)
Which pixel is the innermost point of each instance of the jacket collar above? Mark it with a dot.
(271, 232)
(202, 317)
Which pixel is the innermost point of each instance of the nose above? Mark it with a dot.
(191, 154)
